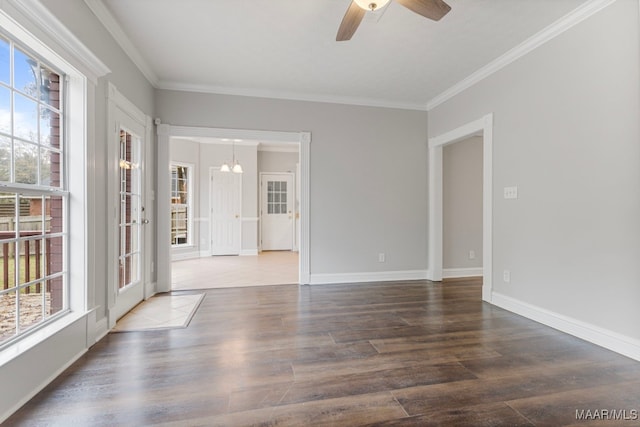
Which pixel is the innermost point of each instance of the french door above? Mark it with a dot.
(276, 212)
(129, 214)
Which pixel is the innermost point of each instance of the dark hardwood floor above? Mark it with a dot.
(409, 353)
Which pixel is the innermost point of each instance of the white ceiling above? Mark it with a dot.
(287, 48)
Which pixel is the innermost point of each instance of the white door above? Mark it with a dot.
(129, 240)
(276, 211)
(226, 191)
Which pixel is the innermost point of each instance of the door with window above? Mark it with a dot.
(129, 221)
(276, 212)
(226, 221)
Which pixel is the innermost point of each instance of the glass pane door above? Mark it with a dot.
(130, 210)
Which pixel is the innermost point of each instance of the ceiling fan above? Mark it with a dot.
(432, 9)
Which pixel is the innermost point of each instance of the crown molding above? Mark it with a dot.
(573, 18)
(549, 33)
(43, 19)
(290, 96)
(106, 18)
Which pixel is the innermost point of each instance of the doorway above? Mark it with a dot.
(482, 127)
(301, 140)
(462, 209)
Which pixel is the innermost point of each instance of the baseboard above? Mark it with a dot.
(305, 278)
(185, 255)
(243, 252)
(451, 273)
(381, 276)
(610, 340)
(41, 387)
(151, 288)
(101, 329)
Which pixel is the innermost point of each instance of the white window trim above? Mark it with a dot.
(192, 170)
(75, 139)
(40, 22)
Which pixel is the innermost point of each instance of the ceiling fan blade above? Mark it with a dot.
(350, 22)
(432, 9)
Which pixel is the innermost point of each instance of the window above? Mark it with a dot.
(276, 197)
(130, 207)
(181, 204)
(34, 198)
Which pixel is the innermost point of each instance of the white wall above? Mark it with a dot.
(368, 173)
(462, 204)
(566, 133)
(81, 21)
(277, 161)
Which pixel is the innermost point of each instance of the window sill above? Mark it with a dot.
(39, 336)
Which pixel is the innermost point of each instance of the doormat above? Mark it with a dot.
(160, 312)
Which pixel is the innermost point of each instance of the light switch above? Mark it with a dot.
(511, 192)
(506, 276)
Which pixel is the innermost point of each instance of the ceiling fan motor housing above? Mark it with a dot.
(371, 4)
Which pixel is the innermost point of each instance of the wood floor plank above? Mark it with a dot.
(330, 386)
(489, 415)
(556, 409)
(357, 410)
(445, 340)
(421, 400)
(400, 353)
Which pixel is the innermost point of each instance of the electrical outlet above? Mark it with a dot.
(381, 257)
(506, 276)
(472, 254)
(511, 192)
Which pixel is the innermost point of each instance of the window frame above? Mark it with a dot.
(190, 178)
(73, 145)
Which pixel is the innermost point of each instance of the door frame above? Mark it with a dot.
(483, 127)
(118, 103)
(166, 132)
(212, 170)
(260, 200)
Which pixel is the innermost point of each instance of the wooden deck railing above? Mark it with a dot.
(25, 252)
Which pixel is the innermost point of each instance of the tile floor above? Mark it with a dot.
(160, 312)
(268, 268)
